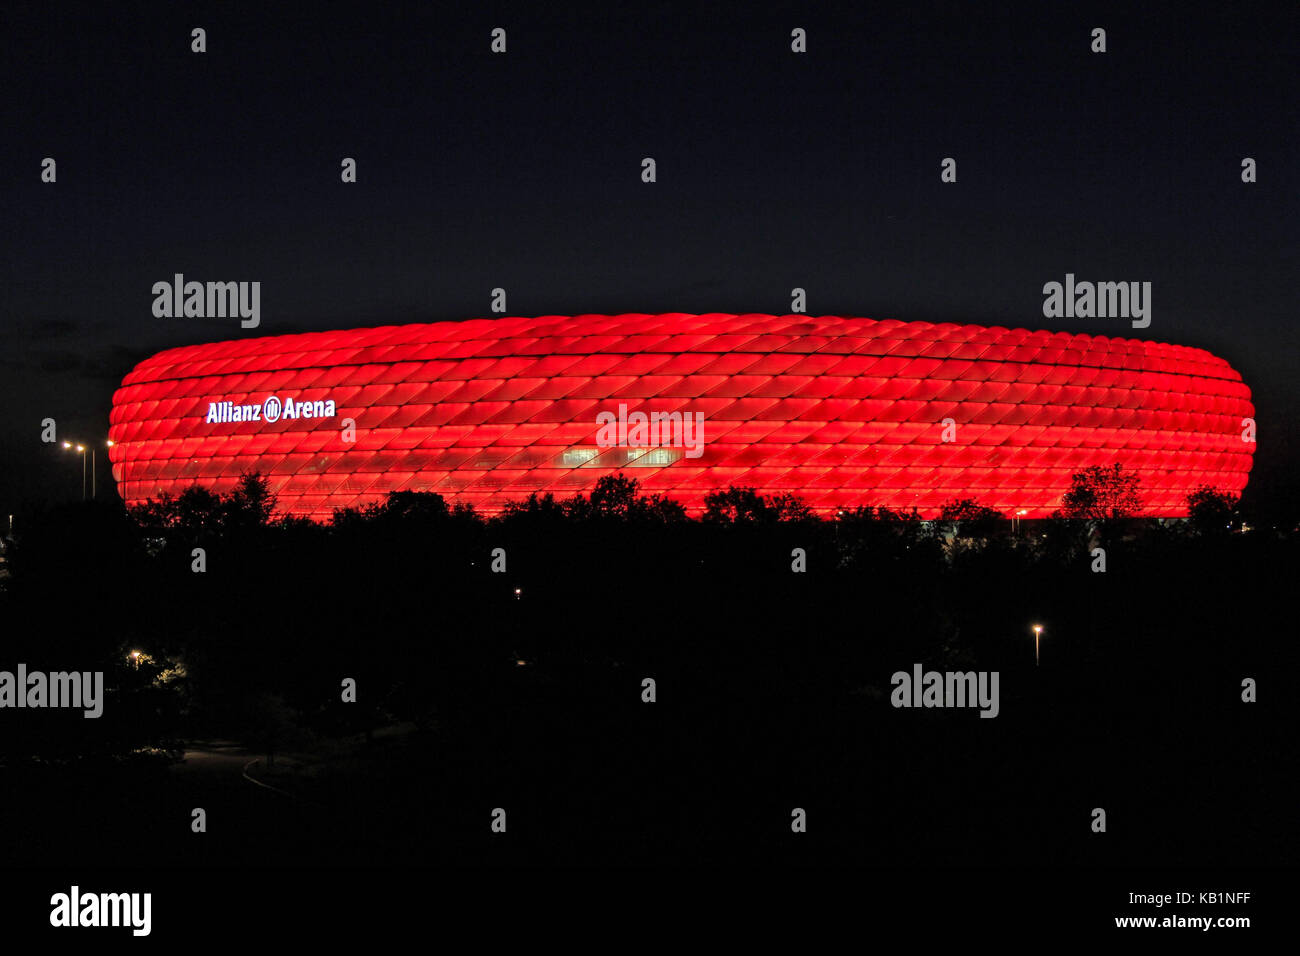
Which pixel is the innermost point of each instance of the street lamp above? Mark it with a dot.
(1038, 630)
(1015, 519)
(81, 450)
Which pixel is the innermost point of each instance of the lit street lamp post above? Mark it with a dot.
(1038, 629)
(81, 450)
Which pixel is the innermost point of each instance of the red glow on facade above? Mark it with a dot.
(841, 411)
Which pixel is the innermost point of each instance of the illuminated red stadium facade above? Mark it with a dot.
(841, 411)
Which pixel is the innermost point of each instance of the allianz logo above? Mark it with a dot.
(271, 410)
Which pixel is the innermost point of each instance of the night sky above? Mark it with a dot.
(523, 171)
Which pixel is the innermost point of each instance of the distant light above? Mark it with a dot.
(1038, 629)
(109, 443)
(67, 444)
(521, 663)
(518, 593)
(135, 653)
(81, 448)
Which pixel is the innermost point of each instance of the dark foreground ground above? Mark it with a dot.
(772, 693)
(589, 773)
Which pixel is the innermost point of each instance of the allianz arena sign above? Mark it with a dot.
(271, 410)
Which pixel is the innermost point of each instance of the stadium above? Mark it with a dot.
(840, 411)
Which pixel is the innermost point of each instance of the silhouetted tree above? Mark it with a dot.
(743, 505)
(868, 536)
(534, 507)
(1210, 512)
(791, 508)
(198, 513)
(735, 506)
(251, 504)
(1060, 541)
(155, 514)
(1102, 494)
(967, 518)
(662, 509)
(411, 506)
(616, 497)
